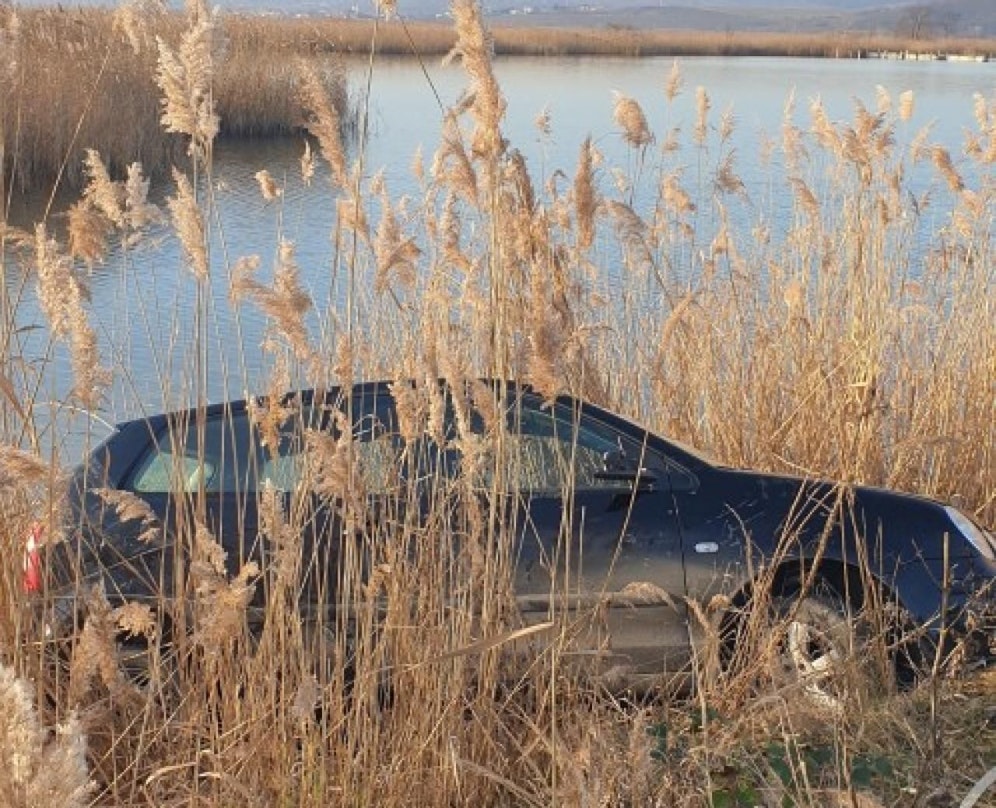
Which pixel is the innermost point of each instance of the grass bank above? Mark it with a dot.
(854, 338)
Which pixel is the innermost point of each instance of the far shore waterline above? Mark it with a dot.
(521, 37)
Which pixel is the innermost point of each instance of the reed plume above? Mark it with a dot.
(130, 507)
(332, 463)
(586, 199)
(487, 104)
(95, 656)
(942, 161)
(307, 164)
(906, 102)
(185, 77)
(452, 166)
(286, 303)
(396, 254)
(39, 769)
(628, 113)
(702, 107)
(89, 231)
(20, 469)
(268, 186)
(270, 413)
(62, 295)
(322, 120)
(137, 20)
(107, 206)
(221, 602)
(139, 213)
(188, 222)
(102, 192)
(675, 82)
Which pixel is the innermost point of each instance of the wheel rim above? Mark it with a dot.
(814, 659)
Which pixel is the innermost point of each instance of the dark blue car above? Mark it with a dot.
(602, 513)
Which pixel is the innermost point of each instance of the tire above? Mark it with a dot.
(817, 640)
(819, 644)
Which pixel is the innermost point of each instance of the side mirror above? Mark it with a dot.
(616, 460)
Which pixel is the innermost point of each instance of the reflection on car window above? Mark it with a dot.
(236, 461)
(542, 449)
(173, 463)
(551, 448)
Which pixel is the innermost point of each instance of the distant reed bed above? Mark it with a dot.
(72, 79)
(853, 339)
(519, 37)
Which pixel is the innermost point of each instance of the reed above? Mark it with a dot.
(854, 342)
(71, 76)
(402, 37)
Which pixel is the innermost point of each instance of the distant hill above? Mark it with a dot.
(927, 17)
(958, 18)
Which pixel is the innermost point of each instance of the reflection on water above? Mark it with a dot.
(144, 298)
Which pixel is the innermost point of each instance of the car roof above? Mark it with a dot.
(690, 456)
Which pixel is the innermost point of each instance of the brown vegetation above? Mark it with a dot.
(405, 38)
(79, 79)
(845, 340)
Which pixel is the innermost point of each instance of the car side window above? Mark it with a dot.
(551, 448)
(376, 444)
(173, 461)
(543, 449)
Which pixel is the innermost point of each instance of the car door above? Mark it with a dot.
(200, 472)
(599, 550)
(337, 463)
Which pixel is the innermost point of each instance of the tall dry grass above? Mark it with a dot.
(71, 76)
(405, 37)
(852, 342)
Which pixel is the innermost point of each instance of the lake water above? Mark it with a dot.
(143, 300)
